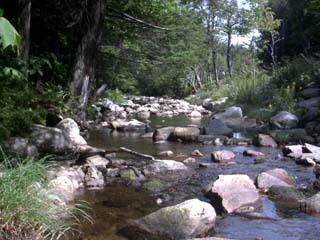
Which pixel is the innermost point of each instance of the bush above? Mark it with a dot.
(115, 95)
(28, 207)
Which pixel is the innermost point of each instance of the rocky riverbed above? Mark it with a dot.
(191, 173)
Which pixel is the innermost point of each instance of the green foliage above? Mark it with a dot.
(8, 34)
(115, 95)
(296, 71)
(27, 204)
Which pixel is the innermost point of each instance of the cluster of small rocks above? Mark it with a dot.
(144, 107)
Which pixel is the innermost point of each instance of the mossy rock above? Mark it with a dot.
(154, 185)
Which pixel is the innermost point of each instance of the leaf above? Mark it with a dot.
(8, 34)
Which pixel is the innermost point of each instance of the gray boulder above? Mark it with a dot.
(230, 112)
(241, 124)
(217, 127)
(310, 103)
(185, 220)
(284, 120)
(51, 140)
(163, 134)
(71, 128)
(310, 93)
(22, 146)
(231, 192)
(186, 134)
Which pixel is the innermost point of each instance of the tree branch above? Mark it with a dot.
(137, 20)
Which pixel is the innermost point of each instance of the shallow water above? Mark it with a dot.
(115, 205)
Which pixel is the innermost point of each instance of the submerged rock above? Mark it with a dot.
(185, 220)
(230, 192)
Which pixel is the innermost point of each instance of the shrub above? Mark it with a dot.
(115, 95)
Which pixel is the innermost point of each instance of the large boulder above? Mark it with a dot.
(163, 166)
(231, 192)
(284, 120)
(186, 134)
(22, 146)
(188, 219)
(51, 140)
(222, 156)
(274, 177)
(71, 128)
(241, 124)
(230, 112)
(263, 140)
(310, 93)
(163, 134)
(217, 127)
(310, 103)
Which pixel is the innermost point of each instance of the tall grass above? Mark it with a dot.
(29, 209)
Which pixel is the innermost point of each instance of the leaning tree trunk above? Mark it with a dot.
(85, 67)
(24, 25)
(229, 64)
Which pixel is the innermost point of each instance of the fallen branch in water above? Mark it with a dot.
(137, 153)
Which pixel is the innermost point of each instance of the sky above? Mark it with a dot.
(240, 39)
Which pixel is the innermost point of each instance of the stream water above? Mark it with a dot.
(116, 204)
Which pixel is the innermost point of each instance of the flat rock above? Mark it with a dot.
(185, 220)
(163, 166)
(253, 153)
(312, 204)
(231, 192)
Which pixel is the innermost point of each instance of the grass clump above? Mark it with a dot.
(29, 209)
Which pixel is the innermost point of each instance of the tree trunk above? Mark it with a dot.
(85, 67)
(215, 69)
(229, 64)
(24, 24)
